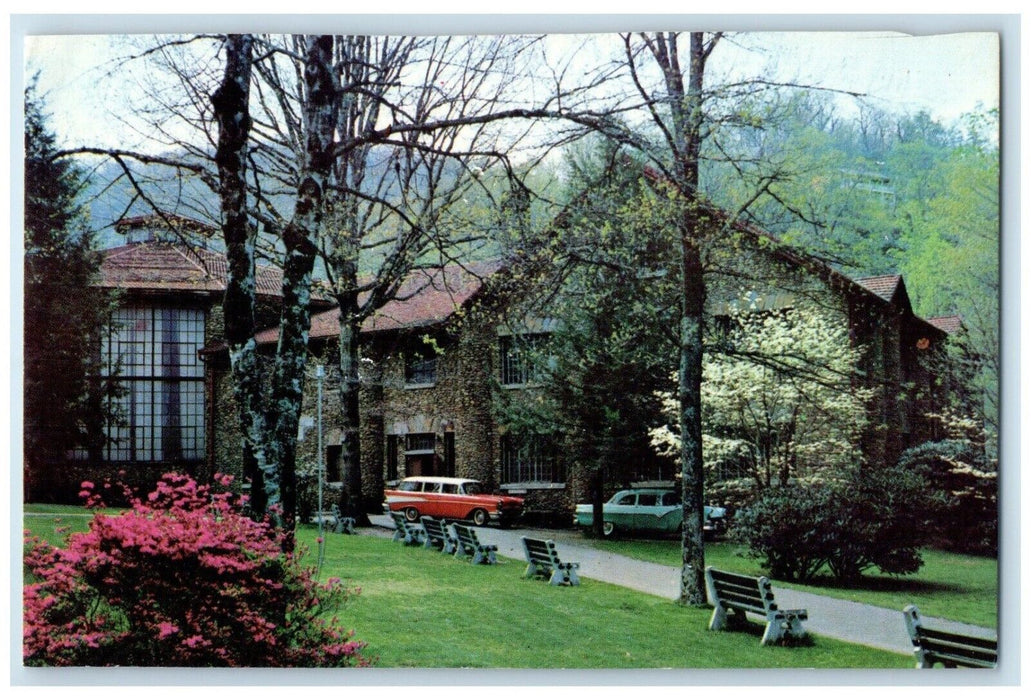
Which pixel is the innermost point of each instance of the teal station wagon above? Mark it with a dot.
(647, 510)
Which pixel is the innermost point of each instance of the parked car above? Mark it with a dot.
(647, 510)
(452, 499)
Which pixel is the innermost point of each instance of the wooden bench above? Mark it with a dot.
(542, 560)
(738, 594)
(950, 649)
(409, 533)
(438, 535)
(469, 544)
(331, 518)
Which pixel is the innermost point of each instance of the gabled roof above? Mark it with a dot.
(884, 286)
(427, 297)
(949, 324)
(159, 266)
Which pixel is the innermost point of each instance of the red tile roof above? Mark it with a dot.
(883, 286)
(949, 324)
(426, 298)
(161, 266)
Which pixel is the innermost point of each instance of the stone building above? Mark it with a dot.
(171, 288)
(434, 361)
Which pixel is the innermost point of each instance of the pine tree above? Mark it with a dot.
(65, 314)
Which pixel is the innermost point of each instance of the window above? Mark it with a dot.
(334, 458)
(531, 459)
(671, 498)
(647, 499)
(420, 363)
(627, 500)
(420, 443)
(520, 358)
(153, 351)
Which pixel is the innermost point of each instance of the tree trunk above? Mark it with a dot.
(299, 238)
(692, 575)
(230, 102)
(597, 501)
(351, 501)
(270, 423)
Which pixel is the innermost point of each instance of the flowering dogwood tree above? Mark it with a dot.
(779, 403)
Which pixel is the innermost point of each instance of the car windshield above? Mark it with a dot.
(473, 488)
(409, 486)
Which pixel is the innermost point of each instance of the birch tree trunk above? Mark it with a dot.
(231, 104)
(270, 422)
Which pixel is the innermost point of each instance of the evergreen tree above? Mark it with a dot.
(65, 315)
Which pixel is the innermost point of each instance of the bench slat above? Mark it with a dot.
(960, 652)
(736, 578)
(953, 638)
(750, 604)
(752, 591)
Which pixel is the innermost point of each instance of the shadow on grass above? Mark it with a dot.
(883, 584)
(755, 628)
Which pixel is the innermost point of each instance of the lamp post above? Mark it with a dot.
(320, 375)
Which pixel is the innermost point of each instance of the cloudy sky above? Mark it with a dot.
(947, 74)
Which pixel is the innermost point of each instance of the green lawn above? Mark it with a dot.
(419, 608)
(955, 586)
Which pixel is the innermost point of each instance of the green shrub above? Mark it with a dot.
(871, 517)
(785, 528)
(966, 513)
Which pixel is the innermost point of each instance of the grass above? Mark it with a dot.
(420, 609)
(52, 522)
(954, 586)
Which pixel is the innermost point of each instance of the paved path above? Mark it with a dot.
(831, 617)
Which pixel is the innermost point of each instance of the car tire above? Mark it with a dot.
(608, 529)
(411, 515)
(480, 517)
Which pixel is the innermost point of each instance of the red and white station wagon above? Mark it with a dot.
(452, 499)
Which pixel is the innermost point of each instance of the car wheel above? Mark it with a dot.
(608, 529)
(411, 515)
(480, 517)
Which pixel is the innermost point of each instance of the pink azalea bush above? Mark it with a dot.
(182, 578)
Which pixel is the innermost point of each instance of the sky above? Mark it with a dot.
(945, 74)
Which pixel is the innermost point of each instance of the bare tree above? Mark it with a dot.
(418, 121)
(354, 150)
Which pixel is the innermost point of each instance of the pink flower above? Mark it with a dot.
(166, 629)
